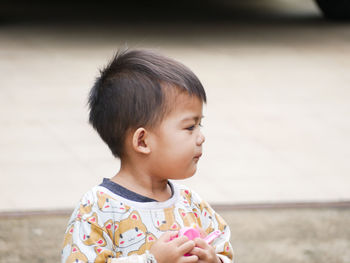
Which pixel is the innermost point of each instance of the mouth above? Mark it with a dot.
(198, 156)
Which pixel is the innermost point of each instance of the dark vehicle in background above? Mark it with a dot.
(335, 9)
(63, 9)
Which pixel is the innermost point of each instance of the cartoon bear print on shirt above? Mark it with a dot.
(150, 240)
(110, 228)
(186, 197)
(188, 218)
(130, 234)
(103, 254)
(76, 256)
(68, 236)
(84, 209)
(207, 217)
(91, 232)
(197, 215)
(221, 222)
(107, 204)
(227, 250)
(164, 219)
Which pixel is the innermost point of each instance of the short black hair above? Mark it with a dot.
(131, 93)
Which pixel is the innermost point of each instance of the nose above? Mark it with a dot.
(200, 139)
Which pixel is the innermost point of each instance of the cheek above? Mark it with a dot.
(181, 155)
(175, 149)
(175, 154)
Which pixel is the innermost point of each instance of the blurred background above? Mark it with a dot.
(276, 156)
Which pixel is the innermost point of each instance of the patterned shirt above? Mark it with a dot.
(108, 227)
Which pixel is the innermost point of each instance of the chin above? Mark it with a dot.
(189, 175)
(185, 174)
(182, 176)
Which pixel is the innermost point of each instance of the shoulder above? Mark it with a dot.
(100, 201)
(188, 194)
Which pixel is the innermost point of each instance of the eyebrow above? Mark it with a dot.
(195, 118)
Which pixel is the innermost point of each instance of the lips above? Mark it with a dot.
(198, 156)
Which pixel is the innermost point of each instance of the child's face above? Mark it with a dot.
(178, 141)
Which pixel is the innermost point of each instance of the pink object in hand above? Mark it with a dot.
(212, 236)
(189, 232)
(193, 233)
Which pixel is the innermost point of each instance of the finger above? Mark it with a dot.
(201, 243)
(186, 247)
(203, 234)
(200, 253)
(180, 240)
(189, 259)
(168, 235)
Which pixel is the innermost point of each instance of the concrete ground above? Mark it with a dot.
(277, 120)
(264, 236)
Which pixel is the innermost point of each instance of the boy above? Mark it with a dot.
(148, 109)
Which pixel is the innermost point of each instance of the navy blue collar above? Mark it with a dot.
(126, 193)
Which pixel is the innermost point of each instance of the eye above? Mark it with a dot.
(193, 126)
(121, 236)
(137, 230)
(190, 128)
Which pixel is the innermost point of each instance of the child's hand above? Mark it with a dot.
(166, 251)
(204, 252)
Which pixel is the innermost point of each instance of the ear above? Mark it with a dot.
(93, 218)
(140, 141)
(75, 249)
(134, 216)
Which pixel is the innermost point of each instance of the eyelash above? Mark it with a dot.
(192, 127)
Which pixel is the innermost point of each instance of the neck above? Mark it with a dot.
(139, 180)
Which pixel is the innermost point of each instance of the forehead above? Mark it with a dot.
(185, 107)
(182, 109)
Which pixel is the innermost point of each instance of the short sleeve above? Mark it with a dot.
(211, 221)
(87, 238)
